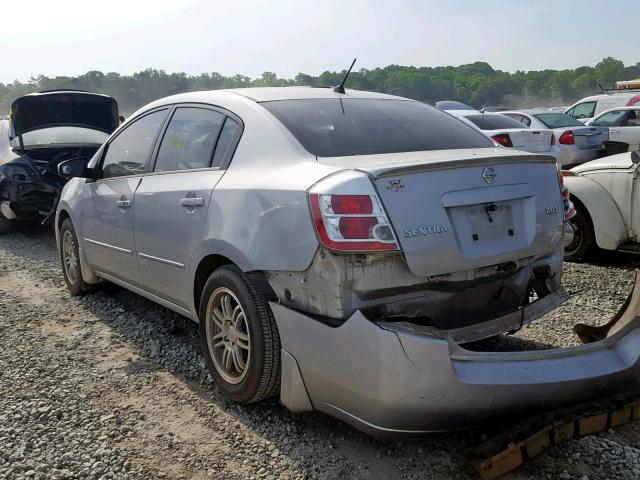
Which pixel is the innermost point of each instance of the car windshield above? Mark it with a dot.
(493, 121)
(55, 136)
(334, 127)
(558, 120)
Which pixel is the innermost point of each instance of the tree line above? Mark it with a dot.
(477, 84)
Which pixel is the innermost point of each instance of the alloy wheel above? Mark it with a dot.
(228, 335)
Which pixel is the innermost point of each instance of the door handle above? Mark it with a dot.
(192, 202)
(124, 203)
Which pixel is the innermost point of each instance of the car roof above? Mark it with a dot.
(265, 94)
(260, 94)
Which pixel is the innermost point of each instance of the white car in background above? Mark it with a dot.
(577, 143)
(623, 124)
(509, 132)
(587, 108)
(605, 195)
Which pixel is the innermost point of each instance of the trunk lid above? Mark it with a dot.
(587, 137)
(58, 108)
(457, 210)
(528, 139)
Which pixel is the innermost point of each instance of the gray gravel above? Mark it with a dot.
(113, 386)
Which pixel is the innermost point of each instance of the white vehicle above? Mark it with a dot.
(577, 142)
(587, 108)
(510, 133)
(604, 193)
(623, 124)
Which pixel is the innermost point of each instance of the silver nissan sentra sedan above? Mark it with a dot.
(340, 251)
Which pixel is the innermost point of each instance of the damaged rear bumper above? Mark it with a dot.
(388, 380)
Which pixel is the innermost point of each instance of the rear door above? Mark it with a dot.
(630, 130)
(171, 203)
(613, 120)
(107, 214)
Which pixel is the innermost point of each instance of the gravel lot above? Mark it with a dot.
(112, 386)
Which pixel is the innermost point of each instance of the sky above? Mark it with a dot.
(71, 37)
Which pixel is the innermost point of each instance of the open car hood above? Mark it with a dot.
(57, 108)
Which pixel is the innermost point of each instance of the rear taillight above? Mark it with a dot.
(567, 138)
(349, 217)
(503, 139)
(567, 204)
(553, 139)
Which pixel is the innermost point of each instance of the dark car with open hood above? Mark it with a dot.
(45, 129)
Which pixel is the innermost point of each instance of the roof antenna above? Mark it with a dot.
(340, 88)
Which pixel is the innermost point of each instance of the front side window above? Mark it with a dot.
(127, 154)
(334, 127)
(613, 118)
(189, 140)
(582, 110)
(633, 120)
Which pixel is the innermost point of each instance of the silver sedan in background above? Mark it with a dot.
(577, 143)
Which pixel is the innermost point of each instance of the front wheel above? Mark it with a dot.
(5, 224)
(70, 257)
(239, 337)
(579, 237)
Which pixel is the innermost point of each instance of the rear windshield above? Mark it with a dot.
(494, 121)
(340, 127)
(558, 120)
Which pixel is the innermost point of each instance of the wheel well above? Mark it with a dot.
(61, 218)
(210, 263)
(205, 268)
(582, 209)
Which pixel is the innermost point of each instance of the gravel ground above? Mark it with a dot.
(112, 386)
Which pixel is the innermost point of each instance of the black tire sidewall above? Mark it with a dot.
(79, 287)
(5, 224)
(248, 389)
(583, 223)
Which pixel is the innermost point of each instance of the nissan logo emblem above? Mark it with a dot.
(489, 175)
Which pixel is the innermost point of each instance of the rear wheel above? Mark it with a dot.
(239, 337)
(579, 237)
(70, 256)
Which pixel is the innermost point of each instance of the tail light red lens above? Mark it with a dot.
(567, 138)
(352, 222)
(352, 228)
(503, 139)
(351, 204)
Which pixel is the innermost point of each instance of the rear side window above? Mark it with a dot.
(340, 127)
(189, 140)
(558, 120)
(493, 121)
(226, 141)
(127, 154)
(610, 119)
(582, 110)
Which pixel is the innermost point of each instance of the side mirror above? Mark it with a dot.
(76, 167)
(635, 157)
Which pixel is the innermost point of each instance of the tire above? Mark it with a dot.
(70, 258)
(240, 341)
(5, 224)
(583, 243)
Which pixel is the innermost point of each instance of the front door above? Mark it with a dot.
(107, 213)
(630, 130)
(171, 204)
